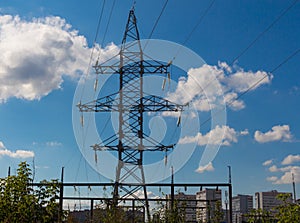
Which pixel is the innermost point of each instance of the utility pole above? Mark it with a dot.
(230, 194)
(229, 174)
(294, 188)
(172, 190)
(130, 102)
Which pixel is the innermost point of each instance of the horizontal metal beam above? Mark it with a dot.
(149, 103)
(138, 184)
(148, 68)
(134, 199)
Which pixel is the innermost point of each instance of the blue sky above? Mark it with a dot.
(45, 48)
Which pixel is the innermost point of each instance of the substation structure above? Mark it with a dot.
(130, 141)
(132, 203)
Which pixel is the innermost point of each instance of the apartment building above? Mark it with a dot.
(268, 200)
(241, 205)
(207, 201)
(185, 204)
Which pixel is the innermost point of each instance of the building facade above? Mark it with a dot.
(241, 206)
(209, 201)
(185, 204)
(267, 201)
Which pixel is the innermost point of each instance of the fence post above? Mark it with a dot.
(61, 196)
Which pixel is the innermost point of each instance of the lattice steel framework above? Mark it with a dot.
(131, 103)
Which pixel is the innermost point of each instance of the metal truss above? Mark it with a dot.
(130, 142)
(133, 198)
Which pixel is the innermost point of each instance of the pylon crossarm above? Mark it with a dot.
(153, 67)
(109, 69)
(104, 68)
(152, 103)
(155, 145)
(98, 147)
(103, 104)
(107, 144)
(111, 144)
(159, 148)
(148, 68)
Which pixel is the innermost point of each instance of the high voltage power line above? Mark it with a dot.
(251, 44)
(158, 18)
(264, 31)
(259, 81)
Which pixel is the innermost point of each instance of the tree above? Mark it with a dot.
(176, 214)
(260, 216)
(20, 202)
(287, 211)
(218, 213)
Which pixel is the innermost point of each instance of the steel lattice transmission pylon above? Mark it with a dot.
(131, 103)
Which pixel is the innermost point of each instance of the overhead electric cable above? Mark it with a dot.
(256, 39)
(264, 31)
(187, 39)
(93, 48)
(102, 43)
(194, 28)
(99, 22)
(259, 81)
(156, 23)
(88, 71)
(244, 51)
(198, 22)
(158, 18)
(107, 25)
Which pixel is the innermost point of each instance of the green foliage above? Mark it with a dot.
(260, 216)
(177, 215)
(20, 202)
(218, 213)
(110, 214)
(163, 212)
(287, 212)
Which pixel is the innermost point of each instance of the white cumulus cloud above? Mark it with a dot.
(272, 179)
(273, 169)
(242, 80)
(284, 172)
(277, 133)
(231, 99)
(15, 154)
(220, 135)
(209, 167)
(208, 87)
(37, 54)
(267, 163)
(290, 159)
(286, 178)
